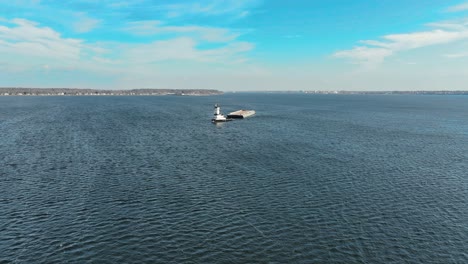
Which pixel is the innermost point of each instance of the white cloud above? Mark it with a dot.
(27, 48)
(155, 27)
(374, 52)
(122, 4)
(457, 55)
(423, 39)
(458, 8)
(365, 55)
(25, 2)
(182, 49)
(85, 23)
(229, 52)
(238, 8)
(27, 38)
(174, 49)
(452, 25)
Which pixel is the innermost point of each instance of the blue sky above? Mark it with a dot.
(235, 45)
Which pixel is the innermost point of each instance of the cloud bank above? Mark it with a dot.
(373, 52)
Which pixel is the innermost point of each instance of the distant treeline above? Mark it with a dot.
(73, 91)
(391, 92)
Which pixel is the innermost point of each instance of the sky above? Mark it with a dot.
(235, 45)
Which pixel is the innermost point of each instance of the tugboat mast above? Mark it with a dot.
(216, 111)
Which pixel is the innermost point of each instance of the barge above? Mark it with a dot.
(241, 114)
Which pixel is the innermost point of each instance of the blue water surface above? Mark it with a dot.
(309, 179)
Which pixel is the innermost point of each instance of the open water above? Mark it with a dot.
(309, 179)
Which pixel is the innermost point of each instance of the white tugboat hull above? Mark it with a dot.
(221, 120)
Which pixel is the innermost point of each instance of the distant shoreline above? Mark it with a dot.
(391, 92)
(16, 91)
(454, 92)
(19, 91)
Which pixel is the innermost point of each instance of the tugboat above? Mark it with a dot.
(218, 117)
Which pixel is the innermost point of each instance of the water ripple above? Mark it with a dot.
(310, 179)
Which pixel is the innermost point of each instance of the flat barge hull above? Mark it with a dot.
(241, 114)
